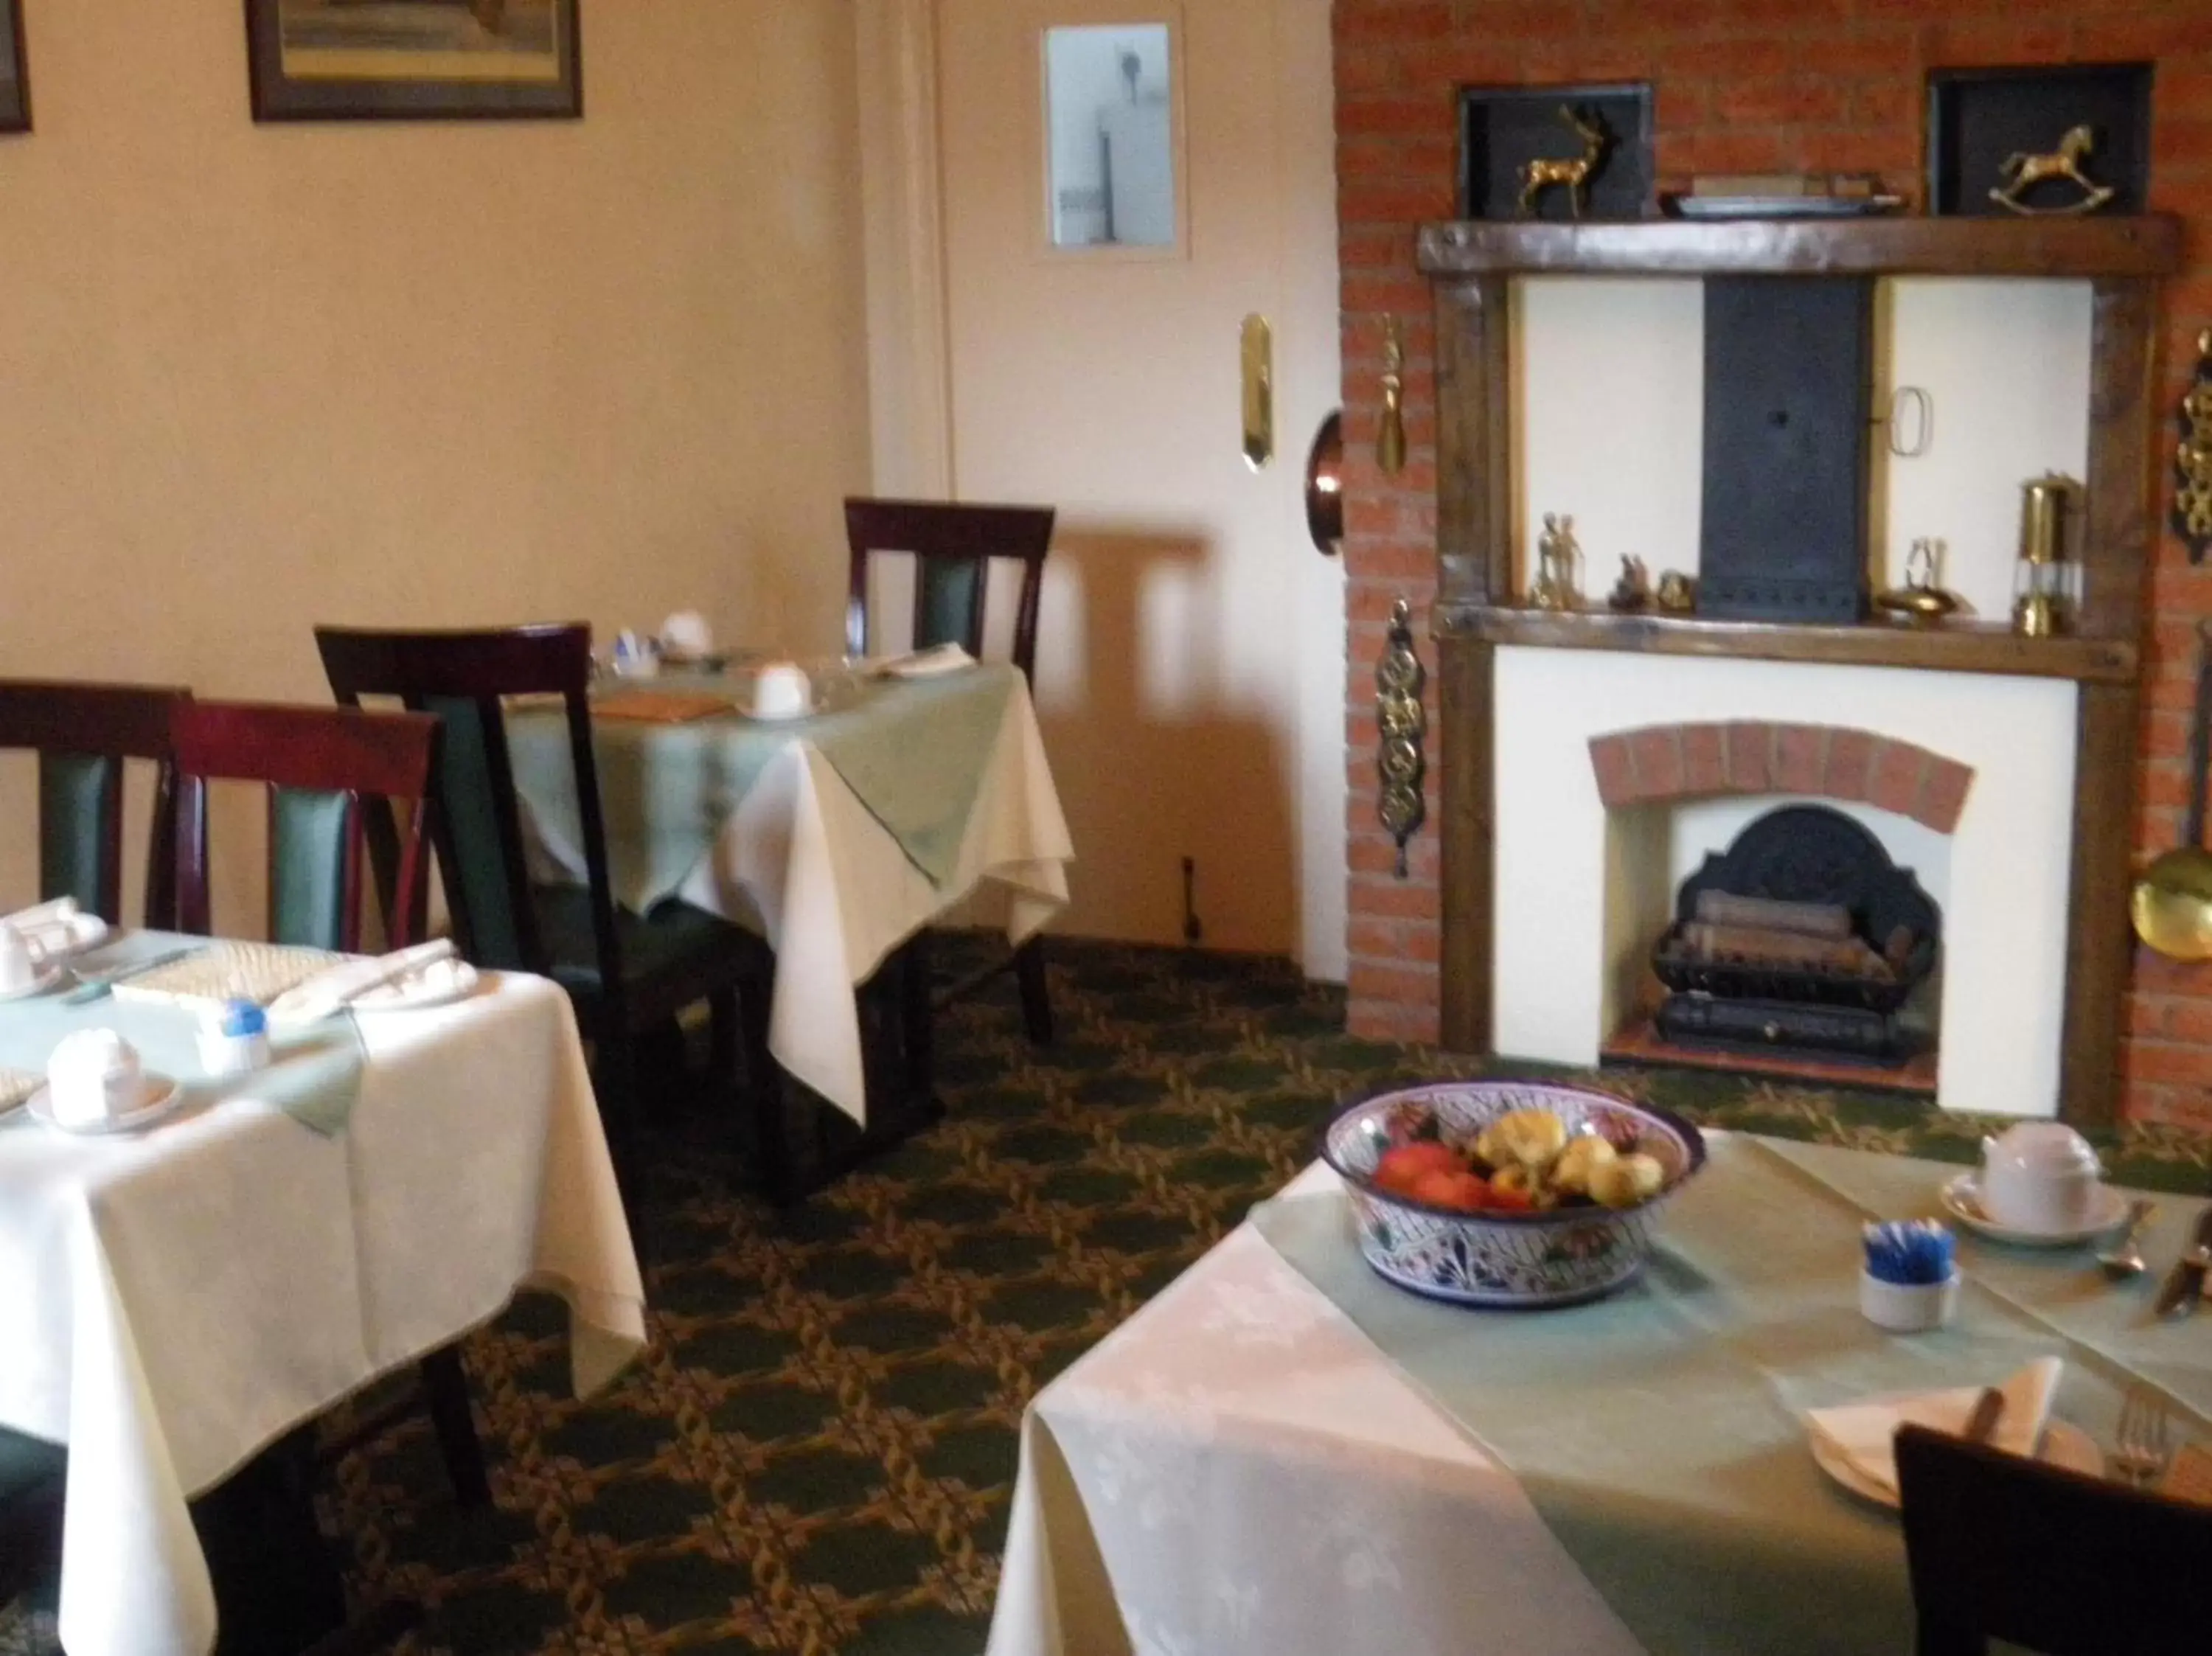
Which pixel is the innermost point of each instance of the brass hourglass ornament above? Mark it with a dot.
(2040, 579)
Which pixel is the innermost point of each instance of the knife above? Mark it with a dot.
(1982, 1424)
(2185, 1283)
(93, 986)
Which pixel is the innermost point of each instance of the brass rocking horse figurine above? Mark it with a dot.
(1541, 174)
(2022, 173)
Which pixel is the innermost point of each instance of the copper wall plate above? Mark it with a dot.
(1325, 487)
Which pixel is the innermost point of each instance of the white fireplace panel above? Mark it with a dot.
(1559, 863)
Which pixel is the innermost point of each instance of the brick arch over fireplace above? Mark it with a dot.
(1659, 764)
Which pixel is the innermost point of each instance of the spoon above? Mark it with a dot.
(2124, 1259)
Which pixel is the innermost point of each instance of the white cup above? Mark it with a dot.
(685, 636)
(782, 690)
(2040, 1176)
(634, 656)
(19, 966)
(94, 1075)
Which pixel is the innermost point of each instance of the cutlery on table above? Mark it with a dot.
(94, 984)
(2185, 1283)
(2124, 1259)
(2142, 1447)
(1989, 1409)
(339, 987)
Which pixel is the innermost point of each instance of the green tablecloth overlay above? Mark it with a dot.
(1658, 1434)
(913, 751)
(315, 1078)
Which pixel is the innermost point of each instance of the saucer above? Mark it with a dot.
(2064, 1445)
(48, 978)
(159, 1096)
(1962, 1201)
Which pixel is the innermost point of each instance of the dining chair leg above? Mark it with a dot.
(446, 1387)
(1037, 1001)
(764, 1097)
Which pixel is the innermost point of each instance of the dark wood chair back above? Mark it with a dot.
(2004, 1548)
(319, 765)
(952, 548)
(82, 734)
(461, 678)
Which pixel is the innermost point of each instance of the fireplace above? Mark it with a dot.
(1803, 938)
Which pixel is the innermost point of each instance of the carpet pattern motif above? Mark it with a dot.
(817, 1452)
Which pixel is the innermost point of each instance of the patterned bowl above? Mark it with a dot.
(1561, 1257)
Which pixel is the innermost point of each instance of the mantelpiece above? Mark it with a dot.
(1473, 267)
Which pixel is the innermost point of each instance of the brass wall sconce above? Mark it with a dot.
(2192, 459)
(1401, 723)
(1390, 445)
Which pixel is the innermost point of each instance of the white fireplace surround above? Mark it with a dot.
(1580, 890)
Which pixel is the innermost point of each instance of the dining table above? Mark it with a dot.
(175, 1300)
(837, 835)
(1282, 1453)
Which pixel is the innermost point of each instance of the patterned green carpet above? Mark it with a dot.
(816, 1454)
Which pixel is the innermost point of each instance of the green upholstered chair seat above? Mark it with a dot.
(670, 958)
(28, 1463)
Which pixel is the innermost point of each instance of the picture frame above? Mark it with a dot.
(339, 60)
(14, 71)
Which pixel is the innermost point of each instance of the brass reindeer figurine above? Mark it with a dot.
(1541, 174)
(2022, 173)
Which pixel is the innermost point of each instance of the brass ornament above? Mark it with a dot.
(1401, 722)
(1574, 175)
(1390, 442)
(1922, 597)
(2192, 459)
(2022, 171)
(1558, 581)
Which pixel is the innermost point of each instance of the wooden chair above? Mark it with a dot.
(628, 974)
(2004, 1548)
(322, 767)
(952, 547)
(82, 734)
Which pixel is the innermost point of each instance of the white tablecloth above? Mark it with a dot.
(802, 858)
(1236, 1470)
(171, 1304)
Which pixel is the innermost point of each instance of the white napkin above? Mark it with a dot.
(924, 664)
(1865, 1434)
(56, 929)
(329, 991)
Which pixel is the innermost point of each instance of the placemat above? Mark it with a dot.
(913, 751)
(1659, 1434)
(229, 969)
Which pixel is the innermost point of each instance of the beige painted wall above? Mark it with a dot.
(255, 376)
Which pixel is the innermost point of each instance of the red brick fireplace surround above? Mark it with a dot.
(1739, 86)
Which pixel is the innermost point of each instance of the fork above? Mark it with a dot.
(2142, 1447)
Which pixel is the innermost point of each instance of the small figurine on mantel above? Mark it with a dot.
(1576, 174)
(1632, 592)
(1558, 583)
(2021, 172)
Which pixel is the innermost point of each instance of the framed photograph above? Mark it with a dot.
(322, 60)
(15, 74)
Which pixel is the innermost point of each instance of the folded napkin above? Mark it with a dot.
(330, 991)
(56, 929)
(1865, 1434)
(924, 664)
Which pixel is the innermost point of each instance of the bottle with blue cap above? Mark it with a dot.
(236, 1041)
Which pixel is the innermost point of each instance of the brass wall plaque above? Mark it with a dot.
(1401, 723)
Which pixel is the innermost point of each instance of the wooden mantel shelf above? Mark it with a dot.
(2148, 246)
(1952, 646)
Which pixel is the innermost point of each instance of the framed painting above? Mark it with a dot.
(15, 74)
(321, 60)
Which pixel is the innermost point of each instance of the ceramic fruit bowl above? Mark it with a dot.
(1563, 1254)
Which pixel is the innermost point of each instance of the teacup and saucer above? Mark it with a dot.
(95, 1083)
(24, 971)
(2039, 1186)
